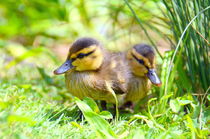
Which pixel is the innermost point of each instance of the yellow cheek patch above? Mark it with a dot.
(90, 62)
(85, 51)
(139, 70)
(139, 56)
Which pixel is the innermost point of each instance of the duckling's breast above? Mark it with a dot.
(138, 89)
(86, 84)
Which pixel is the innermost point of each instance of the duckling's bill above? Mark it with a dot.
(153, 77)
(67, 65)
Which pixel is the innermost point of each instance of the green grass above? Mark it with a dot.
(190, 28)
(35, 110)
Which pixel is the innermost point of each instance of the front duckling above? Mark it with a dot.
(141, 59)
(89, 68)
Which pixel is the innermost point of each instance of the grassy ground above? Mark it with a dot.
(33, 105)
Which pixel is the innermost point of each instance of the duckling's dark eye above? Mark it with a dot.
(81, 55)
(140, 61)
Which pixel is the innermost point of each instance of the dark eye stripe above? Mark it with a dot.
(73, 59)
(81, 55)
(139, 60)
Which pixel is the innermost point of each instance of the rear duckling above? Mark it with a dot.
(90, 71)
(141, 59)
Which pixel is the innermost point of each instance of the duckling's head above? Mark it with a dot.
(142, 61)
(85, 54)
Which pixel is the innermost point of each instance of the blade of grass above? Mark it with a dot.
(115, 97)
(141, 25)
(100, 125)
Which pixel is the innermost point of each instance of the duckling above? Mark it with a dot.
(90, 71)
(141, 59)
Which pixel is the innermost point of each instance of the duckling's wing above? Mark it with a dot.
(118, 88)
(100, 84)
(120, 73)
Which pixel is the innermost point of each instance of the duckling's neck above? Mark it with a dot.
(138, 88)
(140, 75)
